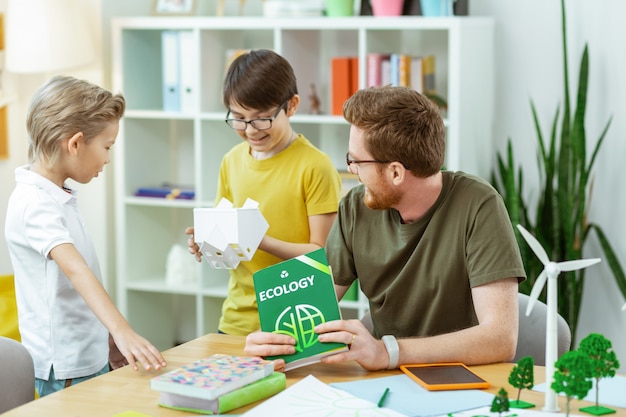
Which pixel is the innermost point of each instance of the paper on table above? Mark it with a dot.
(407, 397)
(611, 391)
(485, 411)
(312, 397)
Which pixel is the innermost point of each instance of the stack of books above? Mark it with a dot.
(218, 383)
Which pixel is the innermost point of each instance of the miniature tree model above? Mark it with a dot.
(572, 376)
(522, 376)
(500, 402)
(604, 363)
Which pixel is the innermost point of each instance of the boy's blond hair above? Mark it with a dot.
(64, 106)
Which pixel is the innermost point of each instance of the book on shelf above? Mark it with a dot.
(167, 191)
(248, 394)
(415, 71)
(428, 74)
(344, 81)
(213, 376)
(400, 70)
(417, 77)
(293, 297)
(374, 68)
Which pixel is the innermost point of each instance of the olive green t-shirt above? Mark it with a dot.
(418, 277)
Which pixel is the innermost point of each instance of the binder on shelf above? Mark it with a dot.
(171, 68)
(344, 81)
(187, 71)
(354, 75)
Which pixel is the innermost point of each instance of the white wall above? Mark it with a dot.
(528, 65)
(92, 197)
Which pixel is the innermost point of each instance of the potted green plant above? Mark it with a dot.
(560, 222)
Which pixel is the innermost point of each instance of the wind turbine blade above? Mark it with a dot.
(534, 293)
(579, 264)
(624, 307)
(534, 245)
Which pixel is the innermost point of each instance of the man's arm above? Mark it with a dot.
(494, 339)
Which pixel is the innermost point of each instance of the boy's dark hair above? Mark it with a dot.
(259, 79)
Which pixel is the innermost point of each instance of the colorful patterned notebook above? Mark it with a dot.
(213, 376)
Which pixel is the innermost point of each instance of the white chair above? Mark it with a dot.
(17, 375)
(531, 339)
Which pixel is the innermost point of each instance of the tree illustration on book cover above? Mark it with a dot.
(604, 363)
(522, 377)
(293, 297)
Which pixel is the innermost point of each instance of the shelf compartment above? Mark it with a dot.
(158, 151)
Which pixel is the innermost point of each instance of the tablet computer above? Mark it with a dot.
(444, 376)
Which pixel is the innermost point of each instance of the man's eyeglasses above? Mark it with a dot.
(353, 166)
(259, 124)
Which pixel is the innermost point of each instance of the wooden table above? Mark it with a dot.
(124, 389)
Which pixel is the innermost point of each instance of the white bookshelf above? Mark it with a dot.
(186, 148)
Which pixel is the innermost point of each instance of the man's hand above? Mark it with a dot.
(364, 349)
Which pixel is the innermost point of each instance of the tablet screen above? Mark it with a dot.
(444, 376)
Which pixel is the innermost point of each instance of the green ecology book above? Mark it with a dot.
(293, 297)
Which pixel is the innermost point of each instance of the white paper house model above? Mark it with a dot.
(227, 235)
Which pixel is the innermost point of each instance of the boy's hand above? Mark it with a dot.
(137, 349)
(116, 359)
(194, 249)
(269, 344)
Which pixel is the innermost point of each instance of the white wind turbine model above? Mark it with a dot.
(551, 271)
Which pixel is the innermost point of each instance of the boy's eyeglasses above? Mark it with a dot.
(259, 124)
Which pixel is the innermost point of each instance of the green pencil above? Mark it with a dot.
(383, 397)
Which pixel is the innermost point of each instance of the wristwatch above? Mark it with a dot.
(393, 350)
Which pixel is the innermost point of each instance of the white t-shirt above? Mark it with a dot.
(56, 325)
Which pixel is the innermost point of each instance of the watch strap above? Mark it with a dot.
(393, 350)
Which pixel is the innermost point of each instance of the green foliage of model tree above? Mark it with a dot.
(560, 220)
(500, 402)
(523, 376)
(604, 361)
(572, 376)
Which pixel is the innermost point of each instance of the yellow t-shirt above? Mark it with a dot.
(299, 182)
